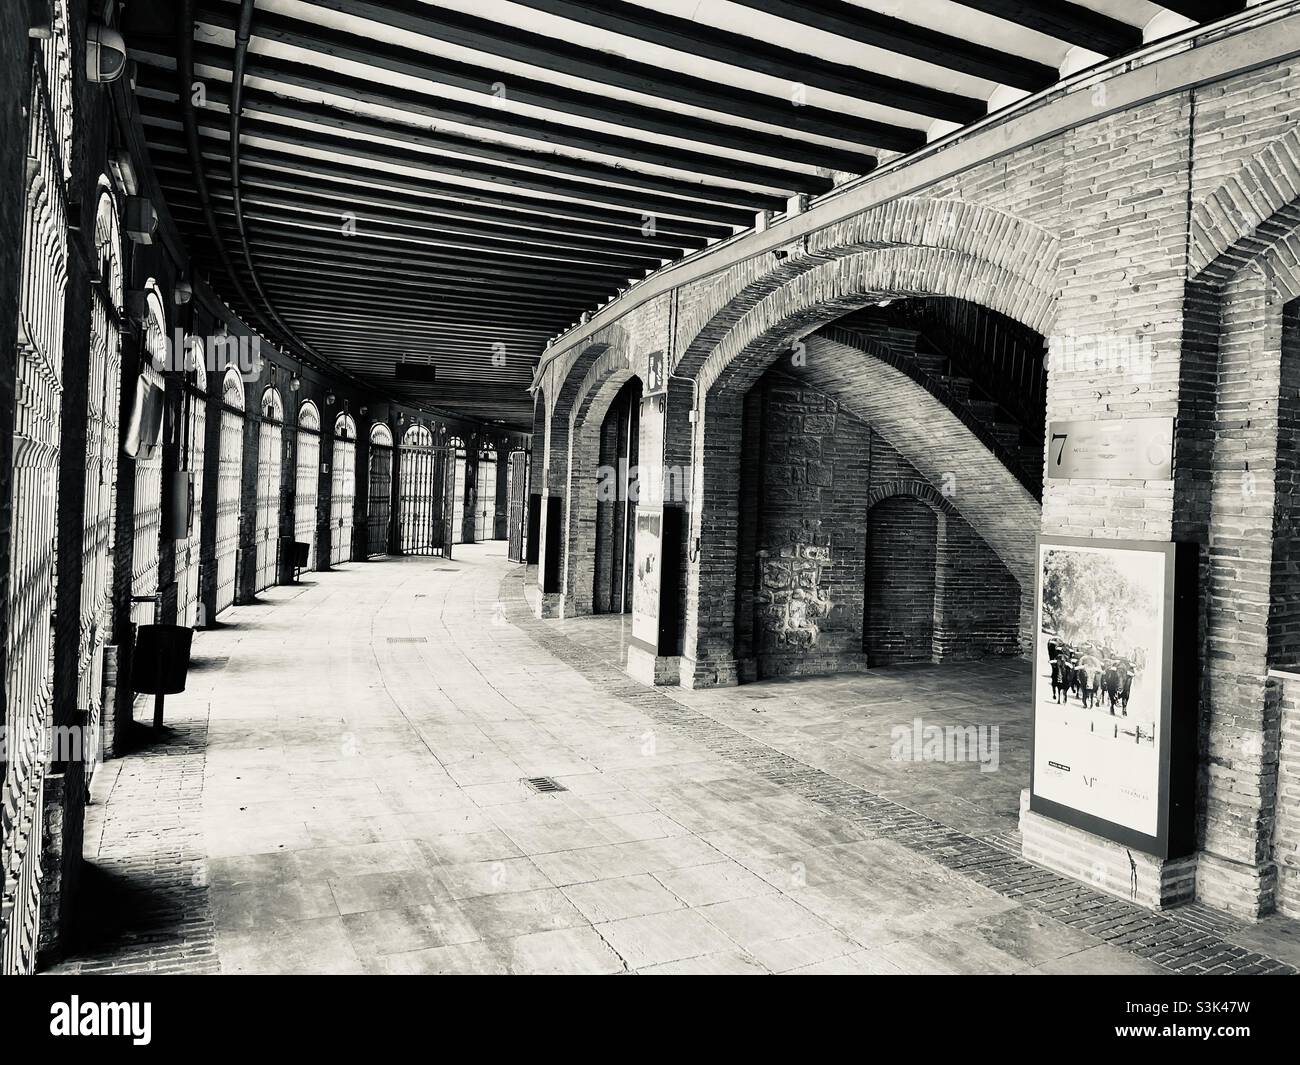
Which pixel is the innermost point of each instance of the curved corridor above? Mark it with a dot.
(341, 789)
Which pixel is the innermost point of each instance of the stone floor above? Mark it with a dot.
(341, 790)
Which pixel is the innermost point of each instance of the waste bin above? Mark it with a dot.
(161, 660)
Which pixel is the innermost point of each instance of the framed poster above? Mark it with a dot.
(1114, 716)
(645, 591)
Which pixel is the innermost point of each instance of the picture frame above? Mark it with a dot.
(1114, 752)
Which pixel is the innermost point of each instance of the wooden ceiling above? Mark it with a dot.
(457, 182)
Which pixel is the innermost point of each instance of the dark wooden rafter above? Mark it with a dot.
(289, 145)
(1066, 22)
(749, 53)
(536, 50)
(830, 16)
(434, 154)
(387, 59)
(1205, 10)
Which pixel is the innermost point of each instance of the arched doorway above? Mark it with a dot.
(456, 459)
(144, 442)
(343, 489)
(423, 514)
(229, 477)
(517, 509)
(485, 501)
(36, 396)
(307, 480)
(269, 459)
(616, 501)
(194, 420)
(102, 396)
(902, 546)
(379, 489)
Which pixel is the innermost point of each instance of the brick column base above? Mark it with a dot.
(549, 606)
(709, 674)
(1245, 891)
(653, 669)
(1156, 883)
(1288, 891)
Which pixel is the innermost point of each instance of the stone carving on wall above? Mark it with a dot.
(791, 601)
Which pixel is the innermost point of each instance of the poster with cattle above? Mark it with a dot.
(1104, 646)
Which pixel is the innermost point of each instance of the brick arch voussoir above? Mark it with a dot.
(837, 287)
(607, 375)
(1254, 210)
(914, 489)
(1004, 240)
(559, 415)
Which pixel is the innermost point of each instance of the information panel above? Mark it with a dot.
(1104, 691)
(1119, 449)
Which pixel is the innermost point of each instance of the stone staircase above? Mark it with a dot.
(1018, 447)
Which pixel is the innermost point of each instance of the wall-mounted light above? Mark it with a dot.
(105, 54)
(295, 383)
(40, 19)
(123, 170)
(141, 220)
(329, 399)
(183, 292)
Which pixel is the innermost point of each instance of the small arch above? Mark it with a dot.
(155, 325)
(272, 405)
(108, 241)
(345, 428)
(232, 389)
(381, 435)
(309, 416)
(417, 436)
(921, 490)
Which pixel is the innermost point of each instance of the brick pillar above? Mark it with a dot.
(246, 565)
(663, 460)
(708, 649)
(1250, 591)
(551, 558)
(1116, 352)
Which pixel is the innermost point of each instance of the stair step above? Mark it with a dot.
(956, 386)
(1006, 434)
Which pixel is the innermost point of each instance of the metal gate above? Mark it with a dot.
(379, 489)
(147, 512)
(267, 528)
(517, 505)
(422, 508)
(37, 423)
(343, 489)
(307, 486)
(485, 502)
(229, 477)
(100, 511)
(189, 549)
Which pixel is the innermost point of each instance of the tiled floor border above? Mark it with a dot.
(1190, 940)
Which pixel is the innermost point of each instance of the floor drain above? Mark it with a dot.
(544, 784)
(408, 639)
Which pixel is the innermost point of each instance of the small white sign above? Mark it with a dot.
(1120, 449)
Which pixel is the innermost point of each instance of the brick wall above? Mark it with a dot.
(902, 556)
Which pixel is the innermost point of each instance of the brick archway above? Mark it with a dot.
(553, 466)
(932, 236)
(602, 382)
(1009, 278)
(921, 490)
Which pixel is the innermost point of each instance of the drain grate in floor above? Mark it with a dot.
(544, 784)
(408, 639)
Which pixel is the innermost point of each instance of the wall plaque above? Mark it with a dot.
(1120, 449)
